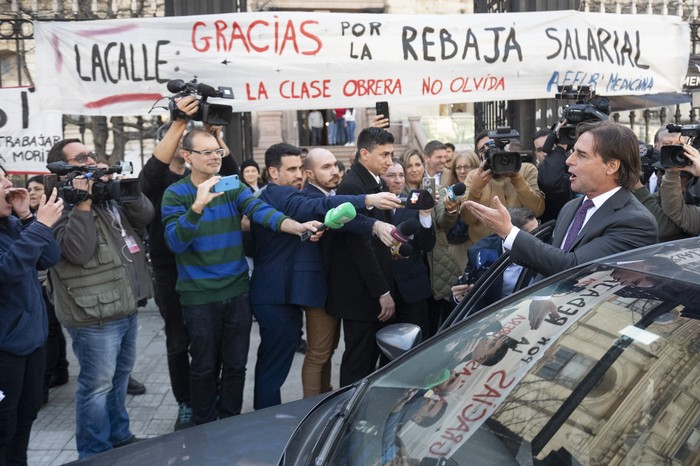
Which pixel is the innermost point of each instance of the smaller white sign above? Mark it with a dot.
(26, 133)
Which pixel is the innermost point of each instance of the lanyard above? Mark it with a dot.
(116, 216)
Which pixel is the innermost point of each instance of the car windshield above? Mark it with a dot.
(601, 366)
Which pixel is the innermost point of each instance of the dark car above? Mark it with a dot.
(597, 365)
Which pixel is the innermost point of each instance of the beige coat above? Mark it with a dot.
(512, 192)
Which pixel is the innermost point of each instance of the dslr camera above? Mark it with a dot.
(674, 155)
(102, 191)
(498, 159)
(588, 108)
(208, 113)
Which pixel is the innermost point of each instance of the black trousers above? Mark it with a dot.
(177, 341)
(414, 313)
(56, 361)
(361, 354)
(22, 382)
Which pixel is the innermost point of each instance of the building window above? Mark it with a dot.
(567, 368)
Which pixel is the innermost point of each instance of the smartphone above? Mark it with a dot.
(227, 183)
(50, 182)
(429, 185)
(383, 109)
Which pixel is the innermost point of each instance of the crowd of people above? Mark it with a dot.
(216, 259)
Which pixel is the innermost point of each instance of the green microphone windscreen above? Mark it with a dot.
(339, 216)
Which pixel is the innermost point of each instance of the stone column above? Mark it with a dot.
(270, 127)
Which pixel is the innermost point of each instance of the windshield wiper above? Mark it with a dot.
(337, 422)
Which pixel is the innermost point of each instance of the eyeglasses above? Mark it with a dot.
(460, 168)
(210, 153)
(82, 158)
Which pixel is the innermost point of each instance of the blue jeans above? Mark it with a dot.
(106, 354)
(218, 331)
(280, 327)
(332, 132)
(350, 129)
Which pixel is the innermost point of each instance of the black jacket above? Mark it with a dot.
(360, 270)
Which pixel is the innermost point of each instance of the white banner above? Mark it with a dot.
(26, 134)
(294, 60)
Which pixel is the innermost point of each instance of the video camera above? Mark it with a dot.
(102, 191)
(588, 108)
(212, 114)
(649, 155)
(498, 159)
(674, 155)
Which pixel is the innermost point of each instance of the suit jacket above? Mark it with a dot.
(360, 270)
(287, 270)
(412, 275)
(620, 224)
(361, 225)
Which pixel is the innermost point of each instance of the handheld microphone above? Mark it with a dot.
(456, 190)
(418, 199)
(401, 250)
(335, 218)
(405, 230)
(405, 250)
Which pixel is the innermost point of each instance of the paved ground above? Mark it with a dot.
(152, 414)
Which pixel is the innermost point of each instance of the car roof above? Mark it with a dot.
(677, 261)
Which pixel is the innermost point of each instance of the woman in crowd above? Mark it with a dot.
(411, 274)
(250, 170)
(56, 372)
(444, 270)
(414, 164)
(27, 244)
(458, 235)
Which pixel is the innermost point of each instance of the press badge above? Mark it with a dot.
(132, 244)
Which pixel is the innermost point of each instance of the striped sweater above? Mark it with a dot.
(209, 247)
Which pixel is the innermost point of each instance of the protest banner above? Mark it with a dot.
(295, 60)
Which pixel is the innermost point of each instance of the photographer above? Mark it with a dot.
(673, 192)
(98, 284)
(643, 189)
(553, 178)
(518, 189)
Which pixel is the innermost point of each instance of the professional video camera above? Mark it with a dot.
(649, 156)
(588, 107)
(118, 190)
(674, 155)
(213, 114)
(498, 159)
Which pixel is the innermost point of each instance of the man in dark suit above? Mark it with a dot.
(604, 166)
(323, 174)
(288, 273)
(360, 276)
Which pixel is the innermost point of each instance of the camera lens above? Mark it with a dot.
(673, 156)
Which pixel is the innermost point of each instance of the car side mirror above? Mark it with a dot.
(395, 339)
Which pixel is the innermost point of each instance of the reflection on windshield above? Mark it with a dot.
(550, 379)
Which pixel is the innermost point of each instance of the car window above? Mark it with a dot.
(598, 367)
